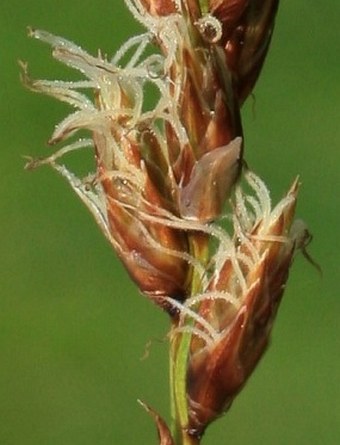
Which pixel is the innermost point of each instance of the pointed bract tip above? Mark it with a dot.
(164, 434)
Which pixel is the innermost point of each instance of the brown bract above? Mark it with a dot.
(217, 372)
(164, 434)
(209, 112)
(247, 30)
(148, 249)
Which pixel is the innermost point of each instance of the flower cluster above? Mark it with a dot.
(196, 233)
(230, 320)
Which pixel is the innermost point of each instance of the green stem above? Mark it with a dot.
(179, 357)
(178, 362)
(204, 5)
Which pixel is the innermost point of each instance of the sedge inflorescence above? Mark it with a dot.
(194, 227)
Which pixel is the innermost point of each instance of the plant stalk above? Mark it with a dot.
(179, 357)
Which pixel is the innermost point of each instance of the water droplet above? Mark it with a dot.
(210, 28)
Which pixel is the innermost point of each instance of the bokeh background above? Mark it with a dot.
(73, 329)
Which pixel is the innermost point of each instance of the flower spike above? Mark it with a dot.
(193, 226)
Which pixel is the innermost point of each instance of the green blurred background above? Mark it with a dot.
(73, 329)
